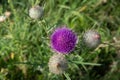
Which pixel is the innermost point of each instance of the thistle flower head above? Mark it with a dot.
(57, 64)
(91, 39)
(36, 12)
(63, 40)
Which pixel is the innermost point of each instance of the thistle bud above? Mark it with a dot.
(57, 64)
(2, 18)
(36, 12)
(91, 39)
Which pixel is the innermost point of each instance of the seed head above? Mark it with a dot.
(36, 12)
(91, 39)
(57, 64)
(63, 40)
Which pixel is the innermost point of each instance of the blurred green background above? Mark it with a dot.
(25, 43)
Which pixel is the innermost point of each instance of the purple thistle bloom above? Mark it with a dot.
(63, 40)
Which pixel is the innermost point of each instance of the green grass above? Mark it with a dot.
(25, 43)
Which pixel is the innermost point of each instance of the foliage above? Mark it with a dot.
(25, 43)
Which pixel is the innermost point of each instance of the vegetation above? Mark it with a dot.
(25, 43)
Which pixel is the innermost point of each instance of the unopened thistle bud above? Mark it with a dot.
(2, 18)
(36, 12)
(57, 64)
(91, 39)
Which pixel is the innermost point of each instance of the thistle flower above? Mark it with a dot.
(36, 12)
(91, 39)
(63, 40)
(57, 64)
